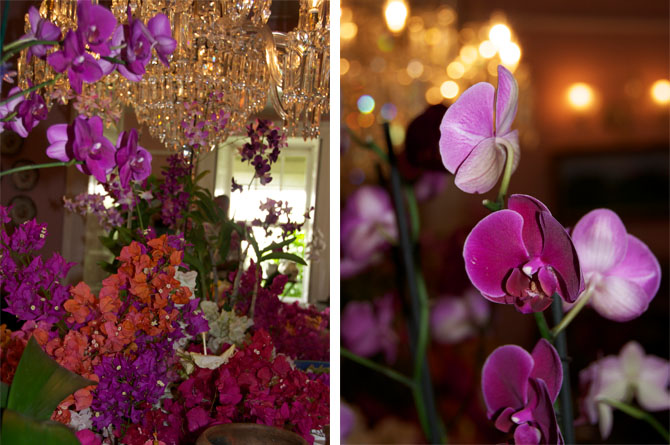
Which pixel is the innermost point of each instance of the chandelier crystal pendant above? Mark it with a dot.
(226, 63)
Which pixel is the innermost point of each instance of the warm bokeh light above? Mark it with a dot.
(433, 95)
(344, 66)
(446, 16)
(487, 49)
(468, 54)
(500, 35)
(396, 13)
(580, 96)
(397, 134)
(455, 70)
(449, 89)
(510, 53)
(389, 111)
(366, 104)
(366, 120)
(432, 36)
(348, 30)
(414, 69)
(660, 92)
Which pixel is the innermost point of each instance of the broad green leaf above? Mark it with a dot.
(200, 176)
(284, 256)
(254, 244)
(281, 245)
(18, 429)
(40, 384)
(4, 393)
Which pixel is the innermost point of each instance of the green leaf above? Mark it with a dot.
(4, 393)
(254, 244)
(200, 176)
(18, 429)
(125, 235)
(40, 384)
(284, 256)
(275, 246)
(224, 241)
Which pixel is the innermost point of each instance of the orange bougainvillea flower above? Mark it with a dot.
(80, 304)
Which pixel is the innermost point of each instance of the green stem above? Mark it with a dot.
(113, 60)
(581, 302)
(543, 327)
(504, 184)
(370, 145)
(36, 166)
(31, 89)
(422, 340)
(413, 210)
(9, 117)
(639, 414)
(388, 372)
(18, 46)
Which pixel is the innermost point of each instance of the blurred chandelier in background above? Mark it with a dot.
(396, 61)
(227, 60)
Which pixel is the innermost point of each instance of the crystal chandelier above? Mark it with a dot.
(227, 60)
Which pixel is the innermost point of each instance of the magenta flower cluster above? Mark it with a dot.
(198, 125)
(86, 203)
(172, 193)
(30, 111)
(265, 143)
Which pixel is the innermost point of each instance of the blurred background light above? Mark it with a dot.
(580, 96)
(366, 104)
(660, 92)
(395, 14)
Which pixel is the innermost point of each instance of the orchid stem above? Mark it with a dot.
(413, 209)
(639, 414)
(370, 145)
(113, 60)
(507, 175)
(388, 372)
(12, 48)
(31, 89)
(36, 166)
(9, 117)
(543, 327)
(581, 302)
(561, 343)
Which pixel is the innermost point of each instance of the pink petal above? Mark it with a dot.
(34, 19)
(560, 254)
(159, 25)
(465, 124)
(652, 386)
(527, 435)
(482, 168)
(492, 249)
(57, 151)
(512, 140)
(507, 98)
(600, 240)
(618, 299)
(505, 379)
(639, 266)
(58, 61)
(528, 207)
(548, 367)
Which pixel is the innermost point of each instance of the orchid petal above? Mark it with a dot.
(527, 435)
(547, 367)
(600, 240)
(465, 124)
(505, 378)
(159, 26)
(57, 151)
(507, 97)
(652, 386)
(559, 252)
(492, 249)
(618, 299)
(528, 207)
(639, 266)
(511, 140)
(544, 413)
(480, 171)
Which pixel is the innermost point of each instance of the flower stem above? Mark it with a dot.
(113, 60)
(543, 327)
(639, 414)
(388, 372)
(370, 145)
(504, 184)
(581, 302)
(561, 343)
(413, 209)
(31, 89)
(9, 117)
(36, 166)
(12, 48)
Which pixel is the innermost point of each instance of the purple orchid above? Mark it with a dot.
(454, 319)
(161, 34)
(368, 224)
(80, 65)
(83, 140)
(519, 391)
(620, 378)
(621, 273)
(134, 161)
(40, 29)
(472, 144)
(95, 24)
(30, 111)
(136, 41)
(521, 256)
(367, 329)
(347, 421)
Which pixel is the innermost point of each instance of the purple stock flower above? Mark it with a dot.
(134, 161)
(40, 29)
(620, 378)
(519, 391)
(83, 140)
(80, 65)
(472, 143)
(620, 271)
(367, 226)
(367, 329)
(453, 319)
(521, 256)
(95, 24)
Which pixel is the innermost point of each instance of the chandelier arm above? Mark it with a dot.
(271, 54)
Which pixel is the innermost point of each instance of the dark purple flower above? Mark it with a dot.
(30, 111)
(80, 65)
(235, 187)
(163, 43)
(519, 391)
(83, 140)
(40, 29)
(134, 161)
(95, 24)
(137, 50)
(521, 256)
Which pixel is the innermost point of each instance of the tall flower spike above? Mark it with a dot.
(623, 275)
(521, 256)
(476, 131)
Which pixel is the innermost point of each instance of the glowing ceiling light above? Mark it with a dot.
(660, 92)
(449, 89)
(487, 49)
(348, 30)
(580, 96)
(455, 70)
(500, 35)
(415, 69)
(510, 53)
(396, 13)
(468, 54)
